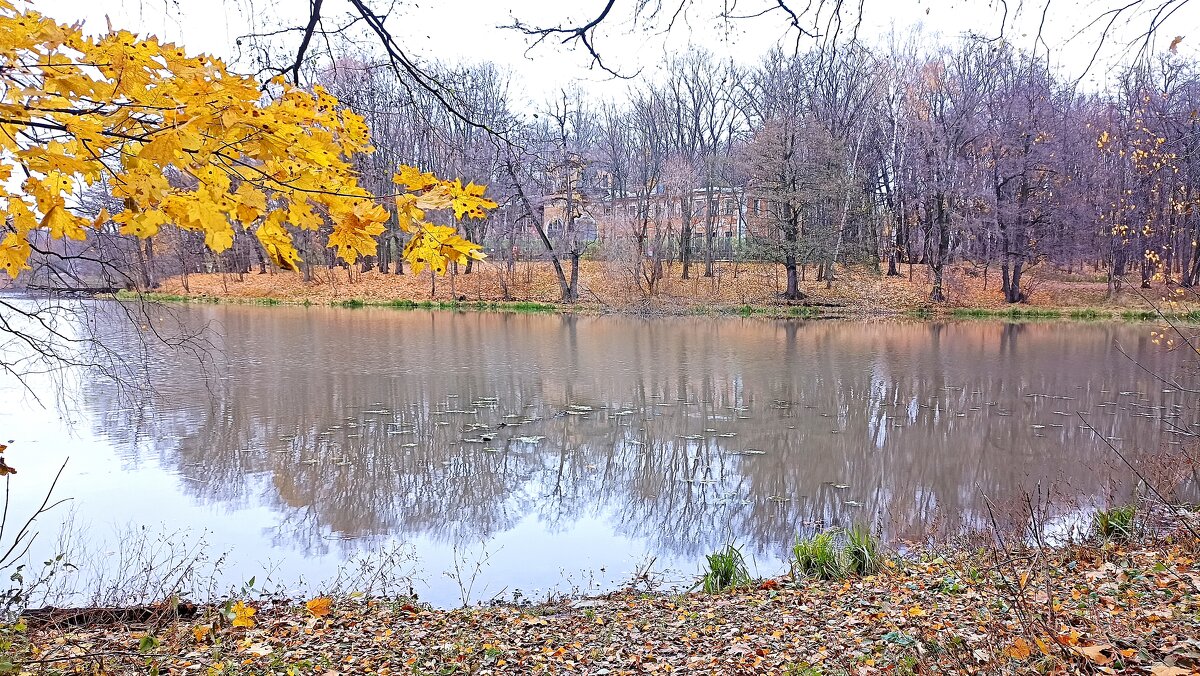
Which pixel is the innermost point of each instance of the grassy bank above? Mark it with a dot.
(399, 303)
(746, 289)
(1097, 609)
(778, 311)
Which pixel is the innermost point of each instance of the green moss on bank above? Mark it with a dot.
(925, 312)
(352, 303)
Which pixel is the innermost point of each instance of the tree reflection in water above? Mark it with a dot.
(682, 433)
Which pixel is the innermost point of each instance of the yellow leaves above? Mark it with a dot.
(354, 232)
(201, 632)
(171, 135)
(141, 224)
(164, 149)
(300, 214)
(243, 615)
(469, 200)
(408, 215)
(62, 223)
(14, 254)
(320, 606)
(437, 245)
(277, 242)
(250, 204)
(414, 179)
(916, 611)
(437, 197)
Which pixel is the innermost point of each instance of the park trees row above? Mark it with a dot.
(911, 153)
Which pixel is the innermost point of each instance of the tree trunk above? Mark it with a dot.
(937, 257)
(792, 235)
(541, 231)
(710, 231)
(1014, 294)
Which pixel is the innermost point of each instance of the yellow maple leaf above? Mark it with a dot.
(63, 223)
(163, 149)
(320, 606)
(414, 179)
(14, 254)
(916, 611)
(243, 615)
(469, 201)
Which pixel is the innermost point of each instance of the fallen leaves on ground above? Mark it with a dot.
(964, 614)
(614, 285)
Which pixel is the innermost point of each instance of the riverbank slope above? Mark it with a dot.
(1100, 609)
(750, 288)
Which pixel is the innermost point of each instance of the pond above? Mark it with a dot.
(519, 454)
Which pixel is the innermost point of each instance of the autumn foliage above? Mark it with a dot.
(182, 141)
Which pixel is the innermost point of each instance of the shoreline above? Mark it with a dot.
(1102, 607)
(796, 310)
(735, 289)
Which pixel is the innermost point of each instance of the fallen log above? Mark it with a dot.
(88, 290)
(59, 617)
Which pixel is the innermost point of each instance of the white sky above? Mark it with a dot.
(467, 30)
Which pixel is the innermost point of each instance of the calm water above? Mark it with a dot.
(571, 449)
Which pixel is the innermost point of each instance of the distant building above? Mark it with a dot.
(604, 216)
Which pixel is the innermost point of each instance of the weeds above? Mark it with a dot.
(834, 554)
(1118, 523)
(818, 556)
(862, 551)
(726, 569)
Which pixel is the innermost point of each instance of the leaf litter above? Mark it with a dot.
(1085, 610)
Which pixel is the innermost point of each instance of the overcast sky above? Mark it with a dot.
(468, 30)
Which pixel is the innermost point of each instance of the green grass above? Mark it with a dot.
(350, 303)
(1118, 523)
(834, 554)
(818, 556)
(725, 569)
(800, 311)
(1007, 313)
(862, 552)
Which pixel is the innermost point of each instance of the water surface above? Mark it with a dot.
(572, 449)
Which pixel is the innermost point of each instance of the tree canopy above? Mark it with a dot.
(180, 140)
